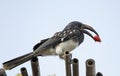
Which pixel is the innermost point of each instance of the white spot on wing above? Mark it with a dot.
(64, 32)
(71, 32)
(62, 39)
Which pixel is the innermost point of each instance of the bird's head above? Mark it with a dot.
(84, 28)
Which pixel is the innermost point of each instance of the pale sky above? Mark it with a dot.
(23, 23)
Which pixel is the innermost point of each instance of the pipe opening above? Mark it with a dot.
(75, 60)
(90, 62)
(23, 69)
(34, 59)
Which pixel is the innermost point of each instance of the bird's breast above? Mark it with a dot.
(66, 46)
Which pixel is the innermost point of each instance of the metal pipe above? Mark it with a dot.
(35, 66)
(75, 66)
(68, 63)
(90, 67)
(2, 72)
(24, 71)
(99, 74)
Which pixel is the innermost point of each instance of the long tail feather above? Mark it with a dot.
(17, 61)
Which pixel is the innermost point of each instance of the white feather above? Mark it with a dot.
(66, 46)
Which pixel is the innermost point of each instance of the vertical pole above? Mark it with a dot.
(68, 63)
(24, 71)
(2, 72)
(35, 66)
(75, 66)
(90, 67)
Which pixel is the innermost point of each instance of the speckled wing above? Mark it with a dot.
(58, 38)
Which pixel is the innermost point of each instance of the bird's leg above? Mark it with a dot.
(63, 55)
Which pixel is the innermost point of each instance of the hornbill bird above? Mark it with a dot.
(66, 40)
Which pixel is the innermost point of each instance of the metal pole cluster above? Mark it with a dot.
(71, 67)
(71, 62)
(90, 66)
(34, 66)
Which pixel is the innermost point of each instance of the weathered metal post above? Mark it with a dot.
(24, 71)
(90, 67)
(35, 66)
(75, 66)
(2, 72)
(68, 63)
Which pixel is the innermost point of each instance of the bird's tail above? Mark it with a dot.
(17, 61)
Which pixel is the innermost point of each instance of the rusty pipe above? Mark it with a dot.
(24, 71)
(90, 67)
(75, 66)
(68, 63)
(35, 66)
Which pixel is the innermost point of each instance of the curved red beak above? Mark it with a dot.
(96, 37)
